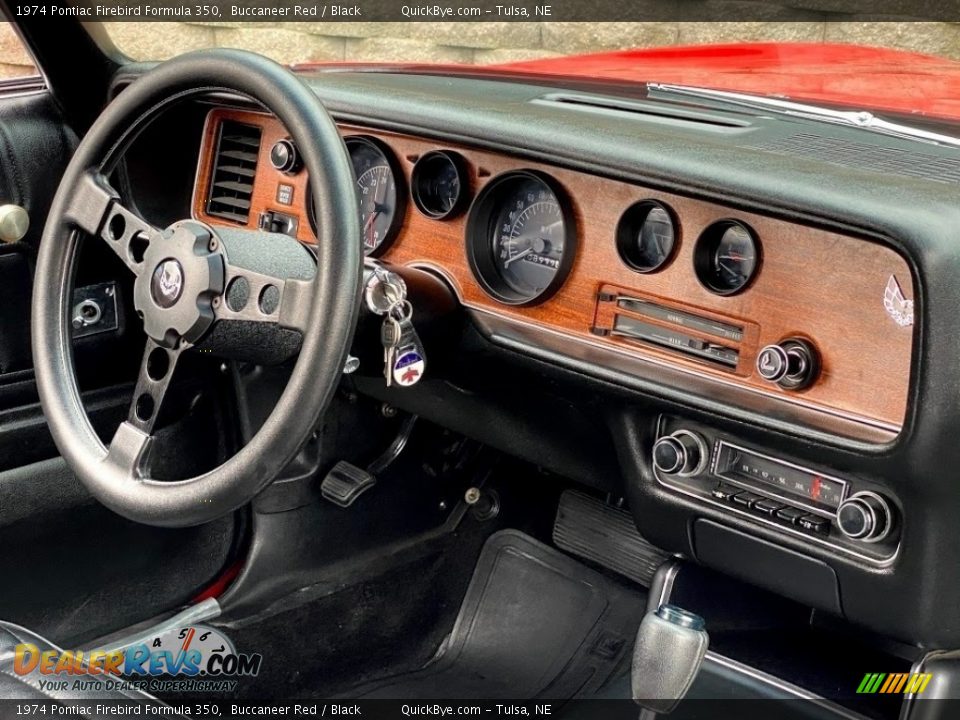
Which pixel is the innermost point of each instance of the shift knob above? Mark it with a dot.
(669, 651)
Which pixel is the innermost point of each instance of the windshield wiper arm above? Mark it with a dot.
(862, 119)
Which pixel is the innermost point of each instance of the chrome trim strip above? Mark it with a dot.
(806, 537)
(201, 612)
(491, 323)
(781, 685)
(862, 119)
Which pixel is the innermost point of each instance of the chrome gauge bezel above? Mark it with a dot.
(480, 233)
(422, 172)
(399, 212)
(629, 228)
(705, 251)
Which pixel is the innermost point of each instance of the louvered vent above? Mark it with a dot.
(231, 186)
(862, 156)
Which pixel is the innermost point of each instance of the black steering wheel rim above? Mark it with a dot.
(331, 307)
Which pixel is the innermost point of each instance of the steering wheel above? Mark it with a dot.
(183, 280)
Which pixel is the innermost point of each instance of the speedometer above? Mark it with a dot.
(520, 238)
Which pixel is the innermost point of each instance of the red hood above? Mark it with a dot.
(851, 75)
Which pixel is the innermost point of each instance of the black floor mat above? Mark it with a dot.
(534, 624)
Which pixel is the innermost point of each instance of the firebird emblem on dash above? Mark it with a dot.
(896, 305)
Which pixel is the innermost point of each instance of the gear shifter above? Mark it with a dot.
(669, 651)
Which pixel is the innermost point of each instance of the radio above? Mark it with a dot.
(845, 514)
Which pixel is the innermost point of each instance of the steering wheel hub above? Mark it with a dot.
(167, 284)
(183, 275)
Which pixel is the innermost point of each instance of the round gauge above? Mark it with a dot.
(520, 238)
(381, 202)
(439, 184)
(727, 257)
(646, 236)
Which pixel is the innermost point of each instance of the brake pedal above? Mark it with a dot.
(606, 535)
(345, 483)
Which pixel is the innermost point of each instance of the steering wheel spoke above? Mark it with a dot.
(128, 450)
(156, 371)
(95, 208)
(257, 297)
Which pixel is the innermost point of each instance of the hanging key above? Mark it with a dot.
(409, 361)
(391, 332)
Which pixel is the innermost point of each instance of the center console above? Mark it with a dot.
(850, 515)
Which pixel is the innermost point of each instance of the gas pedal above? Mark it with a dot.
(605, 535)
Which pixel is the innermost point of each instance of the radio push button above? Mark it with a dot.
(768, 507)
(815, 523)
(789, 514)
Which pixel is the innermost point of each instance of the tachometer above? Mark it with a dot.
(520, 237)
(381, 200)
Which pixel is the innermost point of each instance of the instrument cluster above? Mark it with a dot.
(521, 234)
(631, 274)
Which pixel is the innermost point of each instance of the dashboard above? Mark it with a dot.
(737, 323)
(793, 320)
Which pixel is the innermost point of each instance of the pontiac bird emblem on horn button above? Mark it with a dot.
(896, 305)
(167, 283)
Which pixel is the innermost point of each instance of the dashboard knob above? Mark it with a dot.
(792, 364)
(284, 156)
(865, 516)
(683, 453)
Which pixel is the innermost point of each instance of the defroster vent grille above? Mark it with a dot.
(234, 168)
(864, 156)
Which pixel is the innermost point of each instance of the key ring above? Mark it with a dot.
(405, 309)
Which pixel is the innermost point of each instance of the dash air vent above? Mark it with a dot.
(234, 168)
(863, 156)
(646, 110)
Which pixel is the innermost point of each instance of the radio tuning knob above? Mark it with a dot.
(793, 364)
(865, 516)
(683, 453)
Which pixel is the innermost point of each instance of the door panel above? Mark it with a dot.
(72, 569)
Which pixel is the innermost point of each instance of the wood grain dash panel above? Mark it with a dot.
(267, 180)
(813, 283)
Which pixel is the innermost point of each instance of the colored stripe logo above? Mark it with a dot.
(894, 683)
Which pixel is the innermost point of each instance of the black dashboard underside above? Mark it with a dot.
(608, 427)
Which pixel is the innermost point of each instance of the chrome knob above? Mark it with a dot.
(865, 516)
(284, 157)
(792, 364)
(773, 363)
(14, 223)
(683, 453)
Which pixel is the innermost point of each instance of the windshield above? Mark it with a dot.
(906, 67)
